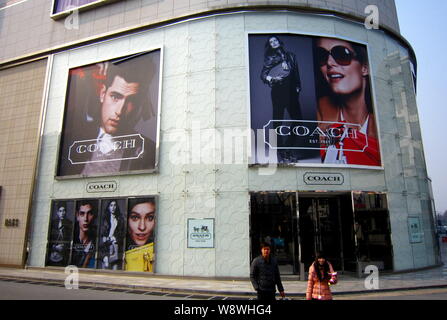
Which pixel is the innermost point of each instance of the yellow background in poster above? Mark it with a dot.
(140, 259)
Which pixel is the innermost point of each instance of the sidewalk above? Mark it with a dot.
(187, 286)
(433, 278)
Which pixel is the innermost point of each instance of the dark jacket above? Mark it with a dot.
(55, 240)
(273, 60)
(265, 275)
(120, 232)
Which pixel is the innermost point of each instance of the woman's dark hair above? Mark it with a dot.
(130, 244)
(322, 87)
(105, 221)
(268, 50)
(325, 267)
(134, 202)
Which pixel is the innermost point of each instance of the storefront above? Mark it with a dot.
(235, 126)
(352, 228)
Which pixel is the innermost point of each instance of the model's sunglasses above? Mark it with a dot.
(342, 55)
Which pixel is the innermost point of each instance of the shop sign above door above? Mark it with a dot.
(320, 178)
(102, 186)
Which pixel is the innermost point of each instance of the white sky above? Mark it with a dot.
(422, 24)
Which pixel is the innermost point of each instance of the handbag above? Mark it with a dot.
(334, 279)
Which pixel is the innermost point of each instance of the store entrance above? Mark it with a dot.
(351, 228)
(297, 230)
(325, 224)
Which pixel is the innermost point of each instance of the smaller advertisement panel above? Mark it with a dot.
(112, 234)
(61, 233)
(83, 253)
(200, 233)
(141, 222)
(415, 230)
(103, 233)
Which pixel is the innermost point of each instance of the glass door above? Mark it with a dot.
(320, 230)
(273, 220)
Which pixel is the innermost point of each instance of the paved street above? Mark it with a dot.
(21, 290)
(26, 291)
(47, 283)
(425, 294)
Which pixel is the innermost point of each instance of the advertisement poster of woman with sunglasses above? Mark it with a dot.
(344, 106)
(332, 119)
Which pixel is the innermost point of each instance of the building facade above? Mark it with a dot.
(230, 126)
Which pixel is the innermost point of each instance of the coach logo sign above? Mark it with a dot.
(316, 178)
(102, 186)
(118, 148)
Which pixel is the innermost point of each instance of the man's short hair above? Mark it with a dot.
(134, 69)
(81, 203)
(265, 245)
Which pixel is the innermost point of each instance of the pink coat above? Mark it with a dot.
(317, 289)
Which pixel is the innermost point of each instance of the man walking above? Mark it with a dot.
(264, 275)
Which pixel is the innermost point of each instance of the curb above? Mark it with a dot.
(182, 292)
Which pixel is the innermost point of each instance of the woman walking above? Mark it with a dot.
(321, 276)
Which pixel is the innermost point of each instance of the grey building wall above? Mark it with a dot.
(26, 26)
(205, 81)
(197, 60)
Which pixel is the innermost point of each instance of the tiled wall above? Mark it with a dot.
(205, 82)
(26, 27)
(20, 104)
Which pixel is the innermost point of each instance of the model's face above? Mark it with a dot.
(342, 79)
(274, 42)
(141, 223)
(85, 217)
(265, 252)
(61, 212)
(321, 261)
(112, 207)
(118, 103)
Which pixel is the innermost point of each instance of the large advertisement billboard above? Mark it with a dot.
(112, 234)
(111, 117)
(310, 97)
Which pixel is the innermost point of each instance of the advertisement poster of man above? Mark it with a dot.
(311, 99)
(83, 253)
(141, 222)
(61, 233)
(111, 117)
(112, 233)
